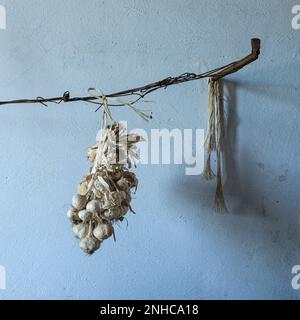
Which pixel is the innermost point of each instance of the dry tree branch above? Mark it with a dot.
(141, 92)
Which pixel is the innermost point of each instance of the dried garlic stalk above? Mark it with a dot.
(104, 195)
(215, 133)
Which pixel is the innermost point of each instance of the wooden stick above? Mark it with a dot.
(255, 44)
(141, 92)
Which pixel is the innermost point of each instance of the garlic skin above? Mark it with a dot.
(131, 179)
(89, 245)
(79, 202)
(112, 200)
(80, 230)
(92, 152)
(123, 195)
(85, 215)
(70, 213)
(103, 231)
(82, 188)
(113, 214)
(125, 209)
(94, 206)
(123, 184)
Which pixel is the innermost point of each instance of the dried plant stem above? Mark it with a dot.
(209, 142)
(219, 202)
(215, 132)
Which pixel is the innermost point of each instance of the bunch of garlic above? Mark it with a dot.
(104, 195)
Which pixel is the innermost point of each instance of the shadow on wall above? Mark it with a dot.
(244, 198)
(286, 98)
(271, 229)
(244, 190)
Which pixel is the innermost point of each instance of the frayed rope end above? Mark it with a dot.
(219, 202)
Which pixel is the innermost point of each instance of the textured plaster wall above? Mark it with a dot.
(175, 246)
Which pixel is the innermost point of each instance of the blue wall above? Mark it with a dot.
(175, 246)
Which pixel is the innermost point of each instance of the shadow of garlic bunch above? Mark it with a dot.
(104, 195)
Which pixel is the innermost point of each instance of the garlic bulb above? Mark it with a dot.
(80, 230)
(123, 184)
(104, 195)
(85, 215)
(89, 245)
(93, 206)
(82, 188)
(70, 213)
(113, 214)
(79, 202)
(103, 231)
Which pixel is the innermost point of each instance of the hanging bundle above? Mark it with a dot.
(104, 195)
(213, 142)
